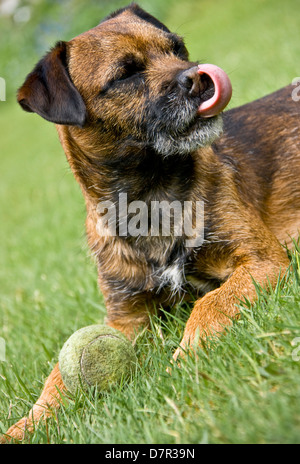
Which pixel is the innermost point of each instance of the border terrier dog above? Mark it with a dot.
(136, 117)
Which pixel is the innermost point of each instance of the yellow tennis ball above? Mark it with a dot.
(96, 356)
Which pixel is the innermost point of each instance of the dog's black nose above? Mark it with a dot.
(190, 80)
(196, 84)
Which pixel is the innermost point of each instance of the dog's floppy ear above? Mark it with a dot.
(49, 91)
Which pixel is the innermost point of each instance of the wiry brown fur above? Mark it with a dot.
(248, 178)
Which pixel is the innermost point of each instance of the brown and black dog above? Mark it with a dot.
(130, 113)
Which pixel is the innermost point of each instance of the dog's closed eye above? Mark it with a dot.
(128, 68)
(131, 67)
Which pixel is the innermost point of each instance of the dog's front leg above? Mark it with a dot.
(216, 310)
(49, 400)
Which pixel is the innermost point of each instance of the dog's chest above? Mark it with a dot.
(181, 277)
(178, 281)
(172, 277)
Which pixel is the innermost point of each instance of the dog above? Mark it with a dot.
(136, 118)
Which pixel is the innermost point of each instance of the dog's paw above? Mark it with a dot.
(180, 353)
(184, 350)
(16, 432)
(188, 347)
(174, 361)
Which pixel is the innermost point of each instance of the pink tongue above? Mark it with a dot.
(223, 91)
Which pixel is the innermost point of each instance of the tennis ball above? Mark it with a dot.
(96, 355)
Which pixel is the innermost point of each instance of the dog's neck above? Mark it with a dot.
(144, 176)
(137, 170)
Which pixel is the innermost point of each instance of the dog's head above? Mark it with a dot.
(129, 78)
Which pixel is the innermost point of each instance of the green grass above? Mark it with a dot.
(243, 388)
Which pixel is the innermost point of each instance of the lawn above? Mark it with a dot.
(244, 388)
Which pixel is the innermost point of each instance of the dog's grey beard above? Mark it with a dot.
(201, 135)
